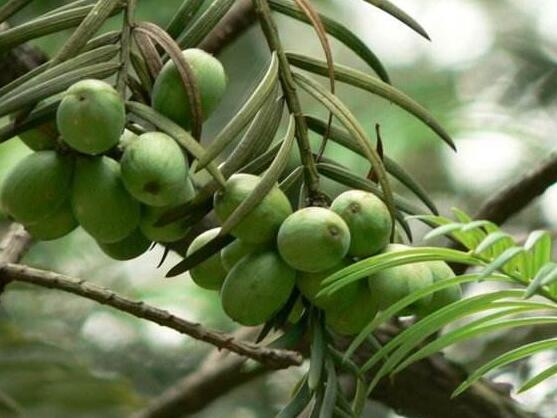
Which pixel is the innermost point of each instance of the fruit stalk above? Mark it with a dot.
(270, 31)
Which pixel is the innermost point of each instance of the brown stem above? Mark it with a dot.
(12, 248)
(272, 358)
(240, 17)
(423, 390)
(292, 100)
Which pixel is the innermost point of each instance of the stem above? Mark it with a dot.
(311, 174)
(125, 42)
(270, 357)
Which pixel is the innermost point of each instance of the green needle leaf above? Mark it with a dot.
(244, 115)
(339, 32)
(267, 182)
(373, 85)
(399, 14)
(507, 358)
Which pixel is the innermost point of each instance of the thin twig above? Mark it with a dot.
(311, 174)
(271, 358)
(12, 248)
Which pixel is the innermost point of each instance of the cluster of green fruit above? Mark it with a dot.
(118, 201)
(278, 250)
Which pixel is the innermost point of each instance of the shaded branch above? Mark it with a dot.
(519, 194)
(219, 374)
(423, 390)
(240, 17)
(12, 248)
(271, 358)
(18, 61)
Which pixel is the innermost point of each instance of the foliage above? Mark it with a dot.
(131, 58)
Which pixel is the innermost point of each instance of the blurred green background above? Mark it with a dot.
(489, 75)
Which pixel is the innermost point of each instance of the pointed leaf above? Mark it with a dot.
(317, 355)
(333, 104)
(56, 85)
(411, 337)
(402, 304)
(338, 31)
(507, 358)
(202, 254)
(363, 81)
(204, 24)
(443, 230)
(399, 14)
(244, 115)
(501, 261)
(547, 274)
(341, 137)
(267, 182)
(183, 16)
(297, 405)
(539, 378)
(330, 397)
(89, 58)
(479, 328)
(98, 14)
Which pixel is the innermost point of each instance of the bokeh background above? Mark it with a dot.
(489, 75)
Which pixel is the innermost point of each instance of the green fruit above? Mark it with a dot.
(11, 153)
(313, 240)
(441, 271)
(234, 252)
(37, 186)
(262, 223)
(40, 138)
(174, 231)
(169, 94)
(55, 226)
(210, 274)
(91, 117)
(310, 284)
(257, 288)
(353, 318)
(129, 248)
(367, 218)
(393, 284)
(154, 169)
(100, 201)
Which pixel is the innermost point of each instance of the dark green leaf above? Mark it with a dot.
(338, 31)
(373, 85)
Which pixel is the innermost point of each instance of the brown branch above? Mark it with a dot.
(423, 390)
(219, 374)
(15, 63)
(271, 358)
(12, 248)
(240, 17)
(520, 193)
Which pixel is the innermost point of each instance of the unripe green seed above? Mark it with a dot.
(313, 239)
(91, 117)
(210, 274)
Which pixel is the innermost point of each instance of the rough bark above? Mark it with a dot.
(520, 193)
(423, 390)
